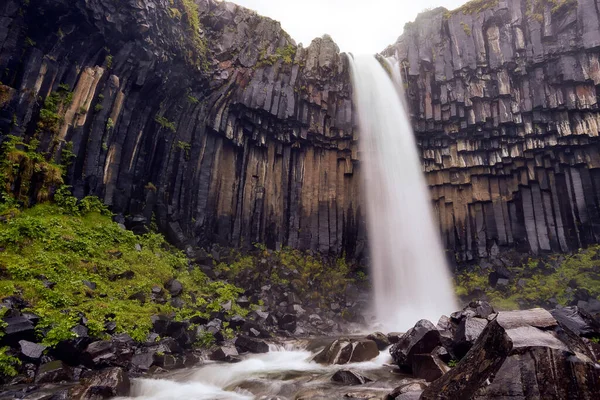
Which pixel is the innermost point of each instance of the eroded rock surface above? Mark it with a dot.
(503, 96)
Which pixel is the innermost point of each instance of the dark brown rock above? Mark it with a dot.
(105, 384)
(521, 354)
(349, 377)
(247, 344)
(344, 351)
(421, 339)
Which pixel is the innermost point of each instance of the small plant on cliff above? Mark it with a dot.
(185, 147)
(473, 7)
(466, 28)
(24, 172)
(165, 123)
(51, 114)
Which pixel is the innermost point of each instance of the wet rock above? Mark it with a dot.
(467, 333)
(169, 361)
(520, 353)
(144, 359)
(225, 354)
(394, 337)
(248, 344)
(128, 275)
(30, 350)
(577, 321)
(382, 341)
(90, 285)
(428, 366)
(344, 351)
(421, 339)
(406, 387)
(53, 371)
(349, 377)
(288, 322)
(105, 384)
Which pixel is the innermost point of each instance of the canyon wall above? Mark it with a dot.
(210, 120)
(200, 115)
(504, 102)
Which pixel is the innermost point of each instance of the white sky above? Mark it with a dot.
(357, 26)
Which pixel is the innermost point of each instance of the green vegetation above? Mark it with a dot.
(150, 186)
(165, 123)
(185, 147)
(99, 107)
(466, 28)
(315, 280)
(286, 54)
(72, 241)
(51, 114)
(538, 281)
(25, 173)
(189, 9)
(8, 363)
(452, 363)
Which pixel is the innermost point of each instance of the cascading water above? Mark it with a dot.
(410, 276)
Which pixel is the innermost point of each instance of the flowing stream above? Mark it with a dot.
(410, 275)
(286, 372)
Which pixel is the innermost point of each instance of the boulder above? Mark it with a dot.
(105, 384)
(31, 351)
(466, 334)
(174, 287)
(53, 372)
(577, 321)
(428, 366)
(344, 351)
(407, 389)
(421, 339)
(349, 377)
(382, 341)
(523, 357)
(18, 328)
(288, 322)
(225, 354)
(248, 344)
(144, 359)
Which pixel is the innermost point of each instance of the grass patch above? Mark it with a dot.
(70, 242)
(538, 281)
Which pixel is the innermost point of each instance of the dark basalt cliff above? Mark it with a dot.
(212, 120)
(228, 132)
(505, 107)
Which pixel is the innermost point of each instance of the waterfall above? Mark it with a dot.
(410, 275)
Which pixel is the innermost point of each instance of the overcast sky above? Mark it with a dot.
(358, 26)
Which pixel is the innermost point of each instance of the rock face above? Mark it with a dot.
(503, 96)
(521, 355)
(226, 132)
(221, 127)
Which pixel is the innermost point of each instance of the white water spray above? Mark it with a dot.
(411, 280)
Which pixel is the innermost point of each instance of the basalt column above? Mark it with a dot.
(503, 96)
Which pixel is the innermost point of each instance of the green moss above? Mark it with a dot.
(185, 147)
(286, 54)
(165, 123)
(25, 173)
(538, 281)
(51, 114)
(69, 242)
(466, 28)
(314, 279)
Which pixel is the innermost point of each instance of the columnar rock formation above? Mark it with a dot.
(504, 99)
(214, 121)
(228, 132)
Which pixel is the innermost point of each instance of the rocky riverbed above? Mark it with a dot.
(475, 353)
